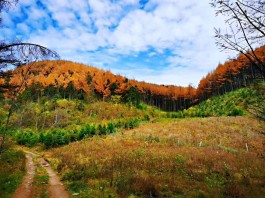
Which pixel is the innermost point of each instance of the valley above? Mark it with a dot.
(132, 99)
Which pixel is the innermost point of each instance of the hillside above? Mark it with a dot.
(67, 111)
(73, 80)
(243, 101)
(61, 121)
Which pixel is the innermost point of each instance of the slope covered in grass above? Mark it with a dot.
(71, 114)
(196, 157)
(59, 122)
(236, 103)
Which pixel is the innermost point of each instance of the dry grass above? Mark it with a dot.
(205, 157)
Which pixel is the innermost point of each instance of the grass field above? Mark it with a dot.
(197, 157)
(12, 170)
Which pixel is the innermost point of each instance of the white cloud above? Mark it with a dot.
(100, 32)
(65, 19)
(23, 28)
(36, 14)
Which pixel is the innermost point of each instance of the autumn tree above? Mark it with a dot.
(231, 75)
(246, 28)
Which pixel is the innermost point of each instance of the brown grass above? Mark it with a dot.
(202, 157)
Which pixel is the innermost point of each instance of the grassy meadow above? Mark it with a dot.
(107, 149)
(195, 157)
(59, 122)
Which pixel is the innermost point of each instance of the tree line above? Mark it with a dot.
(231, 75)
(65, 79)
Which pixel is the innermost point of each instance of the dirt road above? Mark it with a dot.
(55, 187)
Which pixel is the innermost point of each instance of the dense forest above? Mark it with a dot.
(65, 79)
(230, 76)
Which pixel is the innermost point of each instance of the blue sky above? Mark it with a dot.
(158, 41)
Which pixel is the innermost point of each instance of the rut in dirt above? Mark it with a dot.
(55, 186)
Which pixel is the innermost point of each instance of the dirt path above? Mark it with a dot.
(24, 190)
(55, 187)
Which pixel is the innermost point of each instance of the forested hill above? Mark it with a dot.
(71, 80)
(233, 74)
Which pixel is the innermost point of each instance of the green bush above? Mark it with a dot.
(118, 124)
(236, 112)
(27, 138)
(59, 137)
(133, 123)
(102, 129)
(146, 117)
(141, 106)
(111, 127)
(81, 134)
(178, 114)
(74, 135)
(48, 140)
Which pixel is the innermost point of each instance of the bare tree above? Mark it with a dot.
(18, 53)
(246, 28)
(13, 55)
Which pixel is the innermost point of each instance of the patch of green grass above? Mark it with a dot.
(228, 149)
(79, 189)
(40, 183)
(11, 171)
(234, 103)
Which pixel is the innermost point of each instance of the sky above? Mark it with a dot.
(168, 42)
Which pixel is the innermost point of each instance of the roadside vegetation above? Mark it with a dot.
(59, 122)
(12, 170)
(59, 137)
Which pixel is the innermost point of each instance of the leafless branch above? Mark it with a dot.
(247, 30)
